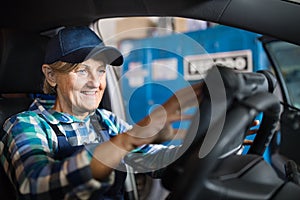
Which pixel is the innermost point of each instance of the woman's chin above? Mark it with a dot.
(88, 108)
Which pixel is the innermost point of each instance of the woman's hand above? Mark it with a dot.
(156, 127)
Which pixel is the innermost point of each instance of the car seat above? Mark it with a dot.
(21, 55)
(8, 107)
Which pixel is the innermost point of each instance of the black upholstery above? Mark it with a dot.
(21, 56)
(10, 106)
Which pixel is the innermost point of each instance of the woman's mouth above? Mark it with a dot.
(89, 93)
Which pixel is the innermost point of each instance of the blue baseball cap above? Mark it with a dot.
(76, 44)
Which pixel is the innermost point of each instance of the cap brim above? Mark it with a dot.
(110, 55)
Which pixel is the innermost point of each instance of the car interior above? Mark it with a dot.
(26, 26)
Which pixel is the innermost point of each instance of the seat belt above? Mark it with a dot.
(98, 128)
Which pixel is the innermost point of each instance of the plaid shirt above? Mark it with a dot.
(27, 152)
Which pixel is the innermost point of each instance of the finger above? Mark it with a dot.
(251, 132)
(255, 123)
(247, 142)
(180, 133)
(189, 93)
(178, 117)
(198, 86)
(184, 98)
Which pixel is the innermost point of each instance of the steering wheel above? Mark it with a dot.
(219, 129)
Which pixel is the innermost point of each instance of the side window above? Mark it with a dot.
(285, 57)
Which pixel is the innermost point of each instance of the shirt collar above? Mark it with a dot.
(44, 107)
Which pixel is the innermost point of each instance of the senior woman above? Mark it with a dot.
(69, 148)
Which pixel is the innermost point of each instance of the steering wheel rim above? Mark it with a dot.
(191, 160)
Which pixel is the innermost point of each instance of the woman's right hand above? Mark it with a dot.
(156, 127)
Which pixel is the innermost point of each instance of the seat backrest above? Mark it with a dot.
(9, 107)
(21, 58)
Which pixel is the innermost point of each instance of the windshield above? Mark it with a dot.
(286, 58)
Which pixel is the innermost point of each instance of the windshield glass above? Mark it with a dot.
(286, 58)
(164, 54)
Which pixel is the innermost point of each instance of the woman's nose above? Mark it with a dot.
(95, 79)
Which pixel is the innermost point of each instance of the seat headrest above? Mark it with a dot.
(21, 54)
(11, 106)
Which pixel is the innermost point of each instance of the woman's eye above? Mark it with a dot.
(102, 71)
(82, 71)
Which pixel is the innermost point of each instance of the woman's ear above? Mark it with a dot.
(49, 74)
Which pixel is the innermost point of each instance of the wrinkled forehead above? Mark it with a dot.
(94, 62)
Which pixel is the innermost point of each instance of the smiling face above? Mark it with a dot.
(80, 91)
